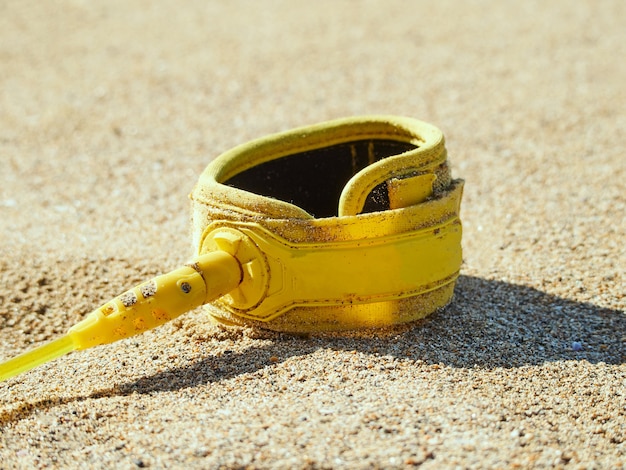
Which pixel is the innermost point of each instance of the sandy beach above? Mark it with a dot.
(109, 112)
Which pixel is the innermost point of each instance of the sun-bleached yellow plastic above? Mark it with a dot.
(349, 271)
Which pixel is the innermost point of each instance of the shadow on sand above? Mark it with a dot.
(491, 324)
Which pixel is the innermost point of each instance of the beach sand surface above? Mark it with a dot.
(109, 111)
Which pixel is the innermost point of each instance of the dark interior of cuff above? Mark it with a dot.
(313, 180)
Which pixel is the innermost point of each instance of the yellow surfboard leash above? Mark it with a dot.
(344, 225)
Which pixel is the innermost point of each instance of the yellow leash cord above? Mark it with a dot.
(142, 308)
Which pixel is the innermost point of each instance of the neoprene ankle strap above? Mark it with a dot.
(347, 224)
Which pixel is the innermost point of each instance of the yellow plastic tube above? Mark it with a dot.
(144, 307)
